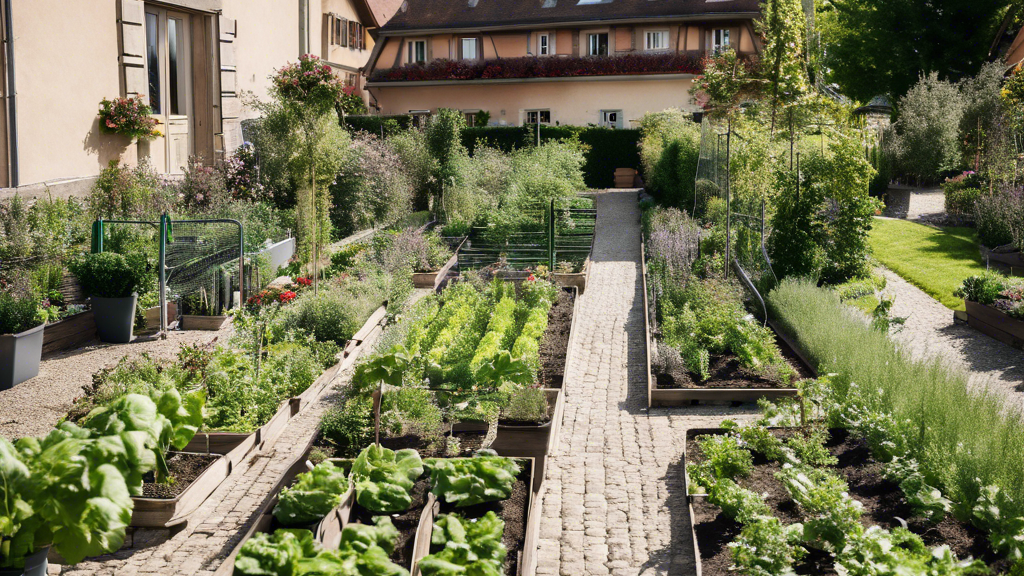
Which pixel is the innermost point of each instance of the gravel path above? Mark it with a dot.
(34, 407)
(930, 331)
(615, 499)
(915, 204)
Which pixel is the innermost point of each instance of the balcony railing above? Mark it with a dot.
(546, 67)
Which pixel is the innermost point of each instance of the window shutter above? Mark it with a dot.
(337, 31)
(230, 107)
(132, 59)
(351, 34)
(326, 36)
(343, 37)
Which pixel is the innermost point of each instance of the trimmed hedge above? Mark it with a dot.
(373, 124)
(609, 149)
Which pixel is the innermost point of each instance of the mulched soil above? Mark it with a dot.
(727, 372)
(469, 442)
(184, 468)
(554, 344)
(882, 500)
(406, 522)
(513, 511)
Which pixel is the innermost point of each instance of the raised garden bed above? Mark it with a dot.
(193, 322)
(70, 332)
(195, 477)
(729, 381)
(433, 280)
(521, 513)
(995, 323)
(883, 501)
(237, 445)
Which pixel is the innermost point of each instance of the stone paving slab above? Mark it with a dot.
(615, 499)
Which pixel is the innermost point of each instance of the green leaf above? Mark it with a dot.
(313, 495)
(486, 477)
(384, 478)
(467, 546)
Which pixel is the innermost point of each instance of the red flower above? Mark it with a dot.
(304, 281)
(287, 296)
(531, 278)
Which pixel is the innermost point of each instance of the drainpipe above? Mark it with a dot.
(12, 102)
(303, 27)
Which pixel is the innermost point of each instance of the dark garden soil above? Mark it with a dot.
(406, 522)
(554, 344)
(184, 468)
(883, 505)
(727, 372)
(513, 511)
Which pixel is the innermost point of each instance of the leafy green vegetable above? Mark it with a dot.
(384, 478)
(767, 548)
(467, 547)
(486, 477)
(364, 551)
(81, 501)
(313, 495)
(831, 515)
(879, 552)
(15, 487)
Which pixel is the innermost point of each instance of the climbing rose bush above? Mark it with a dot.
(309, 82)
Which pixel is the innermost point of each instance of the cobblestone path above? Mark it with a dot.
(615, 499)
(930, 331)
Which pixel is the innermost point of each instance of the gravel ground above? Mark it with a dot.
(915, 204)
(931, 331)
(34, 407)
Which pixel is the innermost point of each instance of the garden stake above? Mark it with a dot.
(377, 395)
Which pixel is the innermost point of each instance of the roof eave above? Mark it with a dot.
(385, 31)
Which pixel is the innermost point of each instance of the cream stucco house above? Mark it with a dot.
(578, 62)
(192, 59)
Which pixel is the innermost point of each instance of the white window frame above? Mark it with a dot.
(650, 35)
(593, 42)
(420, 117)
(411, 54)
(539, 116)
(544, 44)
(472, 42)
(721, 40)
(610, 124)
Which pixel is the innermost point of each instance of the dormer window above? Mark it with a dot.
(417, 52)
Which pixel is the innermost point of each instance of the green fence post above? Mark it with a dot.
(162, 274)
(551, 236)
(97, 236)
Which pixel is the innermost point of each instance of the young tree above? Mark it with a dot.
(444, 141)
(783, 26)
(308, 91)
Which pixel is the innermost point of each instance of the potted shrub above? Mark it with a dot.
(199, 312)
(21, 338)
(995, 306)
(112, 281)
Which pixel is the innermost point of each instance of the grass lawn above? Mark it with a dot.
(934, 260)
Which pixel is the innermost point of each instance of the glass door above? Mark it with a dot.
(169, 69)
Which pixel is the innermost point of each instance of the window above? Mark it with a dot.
(719, 40)
(656, 41)
(470, 116)
(153, 61)
(469, 49)
(611, 118)
(538, 117)
(419, 118)
(418, 52)
(544, 45)
(598, 44)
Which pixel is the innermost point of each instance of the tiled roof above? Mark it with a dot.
(383, 10)
(434, 14)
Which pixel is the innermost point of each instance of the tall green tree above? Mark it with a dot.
(783, 26)
(877, 47)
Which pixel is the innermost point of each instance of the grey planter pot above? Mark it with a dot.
(35, 565)
(115, 318)
(20, 355)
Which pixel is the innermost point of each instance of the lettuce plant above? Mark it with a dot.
(831, 515)
(767, 548)
(363, 550)
(466, 547)
(879, 552)
(384, 478)
(313, 495)
(486, 477)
